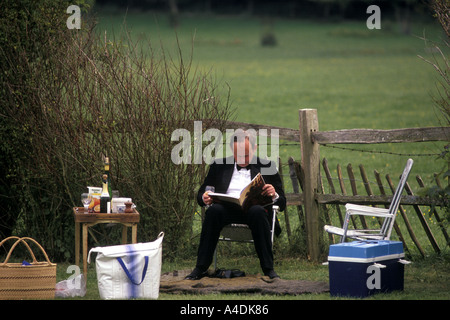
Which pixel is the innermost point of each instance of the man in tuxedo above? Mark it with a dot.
(230, 176)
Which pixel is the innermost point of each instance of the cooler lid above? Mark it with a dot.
(370, 249)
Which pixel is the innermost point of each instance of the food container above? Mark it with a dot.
(118, 204)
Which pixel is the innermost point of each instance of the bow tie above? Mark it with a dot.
(238, 167)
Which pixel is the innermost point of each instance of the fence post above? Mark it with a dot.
(311, 165)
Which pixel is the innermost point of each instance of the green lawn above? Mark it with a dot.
(354, 77)
(428, 280)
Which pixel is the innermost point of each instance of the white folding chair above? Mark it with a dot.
(388, 215)
(241, 233)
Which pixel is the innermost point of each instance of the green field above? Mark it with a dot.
(354, 77)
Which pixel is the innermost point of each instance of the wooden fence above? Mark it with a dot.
(312, 199)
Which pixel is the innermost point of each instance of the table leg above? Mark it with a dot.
(134, 233)
(77, 243)
(85, 247)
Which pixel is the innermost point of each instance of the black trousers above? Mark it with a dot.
(219, 215)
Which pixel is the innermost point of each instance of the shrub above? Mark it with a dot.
(86, 95)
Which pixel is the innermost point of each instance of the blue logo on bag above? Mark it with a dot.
(132, 270)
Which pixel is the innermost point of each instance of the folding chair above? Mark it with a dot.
(241, 233)
(388, 215)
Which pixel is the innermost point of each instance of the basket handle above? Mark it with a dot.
(28, 247)
(17, 238)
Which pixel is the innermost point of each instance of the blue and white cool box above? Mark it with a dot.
(363, 268)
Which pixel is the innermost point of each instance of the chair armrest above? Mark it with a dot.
(354, 209)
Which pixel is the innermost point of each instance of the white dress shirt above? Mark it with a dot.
(239, 180)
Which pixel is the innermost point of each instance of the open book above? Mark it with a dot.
(249, 196)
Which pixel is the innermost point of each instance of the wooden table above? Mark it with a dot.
(86, 220)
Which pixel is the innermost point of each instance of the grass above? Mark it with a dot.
(354, 77)
(424, 280)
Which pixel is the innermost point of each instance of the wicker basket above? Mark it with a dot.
(34, 281)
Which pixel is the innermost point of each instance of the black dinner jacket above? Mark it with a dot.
(221, 171)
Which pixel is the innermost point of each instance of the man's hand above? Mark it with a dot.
(269, 190)
(207, 200)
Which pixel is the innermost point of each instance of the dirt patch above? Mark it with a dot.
(173, 282)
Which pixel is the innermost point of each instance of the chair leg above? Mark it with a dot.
(274, 217)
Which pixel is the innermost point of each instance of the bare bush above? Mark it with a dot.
(92, 95)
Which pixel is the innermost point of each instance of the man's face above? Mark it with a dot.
(243, 152)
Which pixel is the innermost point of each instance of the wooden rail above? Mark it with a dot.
(355, 136)
(375, 200)
(308, 175)
(370, 136)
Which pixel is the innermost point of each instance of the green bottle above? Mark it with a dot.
(107, 172)
(104, 197)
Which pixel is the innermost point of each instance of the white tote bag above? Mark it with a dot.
(129, 271)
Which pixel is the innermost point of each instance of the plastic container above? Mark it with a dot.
(363, 268)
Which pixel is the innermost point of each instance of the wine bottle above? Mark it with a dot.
(107, 172)
(104, 197)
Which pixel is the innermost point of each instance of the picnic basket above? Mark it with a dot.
(35, 280)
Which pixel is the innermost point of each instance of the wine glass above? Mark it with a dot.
(86, 199)
(115, 194)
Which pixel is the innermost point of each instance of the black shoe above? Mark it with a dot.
(196, 274)
(272, 274)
